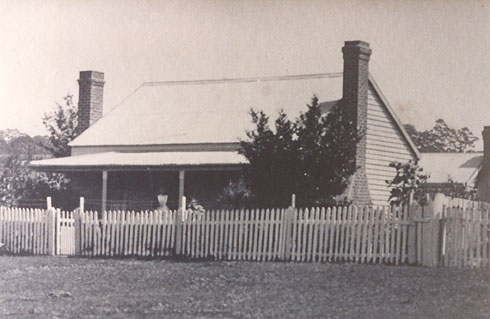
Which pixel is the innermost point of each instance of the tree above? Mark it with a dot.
(272, 158)
(311, 157)
(18, 183)
(409, 180)
(62, 126)
(442, 138)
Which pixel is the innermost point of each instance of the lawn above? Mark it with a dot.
(53, 287)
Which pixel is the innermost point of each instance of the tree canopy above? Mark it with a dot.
(311, 157)
(442, 138)
(19, 185)
(62, 126)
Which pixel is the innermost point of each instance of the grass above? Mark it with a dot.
(50, 287)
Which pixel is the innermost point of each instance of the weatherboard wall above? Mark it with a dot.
(384, 144)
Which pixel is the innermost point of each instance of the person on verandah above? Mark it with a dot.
(162, 200)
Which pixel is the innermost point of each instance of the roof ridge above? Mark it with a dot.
(246, 79)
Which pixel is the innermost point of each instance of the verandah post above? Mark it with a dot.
(104, 191)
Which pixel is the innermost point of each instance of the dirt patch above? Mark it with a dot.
(71, 287)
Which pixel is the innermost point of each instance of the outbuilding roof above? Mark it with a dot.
(459, 167)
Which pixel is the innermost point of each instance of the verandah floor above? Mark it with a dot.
(73, 287)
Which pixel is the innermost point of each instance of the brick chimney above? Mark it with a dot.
(355, 84)
(354, 101)
(90, 98)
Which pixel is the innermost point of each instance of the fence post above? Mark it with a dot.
(77, 216)
(413, 212)
(293, 200)
(57, 231)
(287, 232)
(178, 227)
(51, 220)
(48, 202)
(78, 226)
(437, 207)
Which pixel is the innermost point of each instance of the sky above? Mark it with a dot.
(430, 58)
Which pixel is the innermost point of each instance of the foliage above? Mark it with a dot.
(236, 194)
(409, 179)
(19, 186)
(311, 157)
(452, 189)
(442, 138)
(62, 126)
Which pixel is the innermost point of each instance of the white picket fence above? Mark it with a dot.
(355, 234)
(466, 238)
(446, 232)
(25, 231)
(149, 233)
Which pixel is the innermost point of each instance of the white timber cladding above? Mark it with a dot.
(384, 144)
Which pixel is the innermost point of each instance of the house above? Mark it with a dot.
(183, 136)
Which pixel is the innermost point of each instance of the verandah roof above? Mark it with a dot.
(119, 160)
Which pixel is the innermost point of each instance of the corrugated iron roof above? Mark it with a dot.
(214, 112)
(152, 159)
(459, 167)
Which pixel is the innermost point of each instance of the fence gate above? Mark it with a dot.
(65, 233)
(466, 237)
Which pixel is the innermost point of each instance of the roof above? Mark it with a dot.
(459, 167)
(117, 160)
(212, 111)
